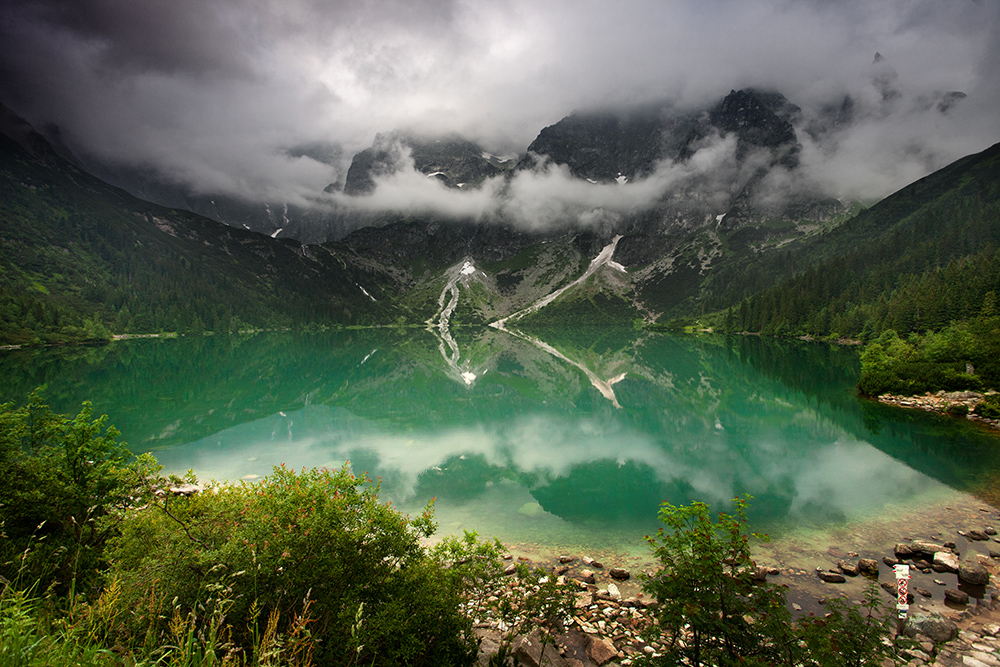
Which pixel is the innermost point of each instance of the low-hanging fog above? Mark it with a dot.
(269, 100)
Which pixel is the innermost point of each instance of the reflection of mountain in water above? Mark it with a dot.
(700, 418)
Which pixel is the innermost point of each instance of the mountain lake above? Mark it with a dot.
(561, 441)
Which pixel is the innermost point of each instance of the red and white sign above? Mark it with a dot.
(902, 577)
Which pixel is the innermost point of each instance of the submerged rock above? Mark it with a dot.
(956, 596)
(974, 573)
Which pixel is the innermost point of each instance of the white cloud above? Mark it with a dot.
(214, 92)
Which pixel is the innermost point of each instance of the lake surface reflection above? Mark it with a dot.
(564, 438)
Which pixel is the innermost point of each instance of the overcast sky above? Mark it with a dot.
(215, 93)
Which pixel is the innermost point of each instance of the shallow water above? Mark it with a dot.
(561, 441)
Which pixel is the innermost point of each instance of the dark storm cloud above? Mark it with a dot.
(217, 93)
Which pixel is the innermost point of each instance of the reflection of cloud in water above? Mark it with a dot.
(841, 476)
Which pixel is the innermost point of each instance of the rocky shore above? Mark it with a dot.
(953, 619)
(954, 403)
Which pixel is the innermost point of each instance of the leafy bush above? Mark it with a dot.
(957, 410)
(63, 482)
(712, 612)
(989, 407)
(932, 362)
(314, 550)
(848, 635)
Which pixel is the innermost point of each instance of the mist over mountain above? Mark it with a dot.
(251, 116)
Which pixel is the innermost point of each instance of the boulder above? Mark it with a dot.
(615, 594)
(601, 651)
(972, 573)
(588, 576)
(903, 551)
(947, 561)
(528, 650)
(185, 489)
(978, 535)
(831, 577)
(566, 559)
(922, 591)
(956, 596)
(850, 569)
(937, 628)
(868, 567)
(926, 548)
(619, 573)
(891, 562)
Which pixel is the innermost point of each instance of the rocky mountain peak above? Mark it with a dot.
(456, 162)
(602, 146)
(754, 117)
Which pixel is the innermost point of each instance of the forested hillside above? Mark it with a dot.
(917, 275)
(917, 260)
(80, 259)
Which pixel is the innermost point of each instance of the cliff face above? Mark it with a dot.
(454, 161)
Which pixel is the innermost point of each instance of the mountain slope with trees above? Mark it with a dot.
(916, 276)
(80, 258)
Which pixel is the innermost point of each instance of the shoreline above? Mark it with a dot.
(941, 402)
(610, 613)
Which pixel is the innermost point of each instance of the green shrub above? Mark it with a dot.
(935, 361)
(709, 609)
(957, 409)
(712, 612)
(63, 482)
(315, 549)
(989, 407)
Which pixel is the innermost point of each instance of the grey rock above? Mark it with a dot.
(850, 569)
(937, 628)
(956, 596)
(619, 573)
(832, 577)
(983, 657)
(927, 548)
(947, 561)
(528, 650)
(868, 566)
(974, 573)
(600, 650)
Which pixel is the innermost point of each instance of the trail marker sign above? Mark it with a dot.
(902, 577)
